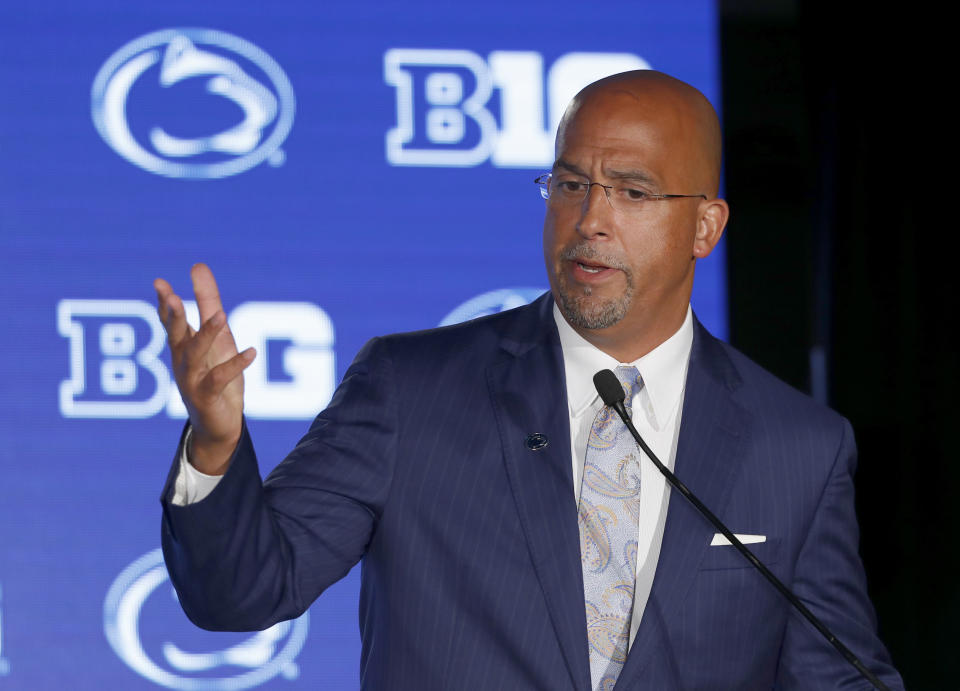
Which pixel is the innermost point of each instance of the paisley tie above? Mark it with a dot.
(609, 512)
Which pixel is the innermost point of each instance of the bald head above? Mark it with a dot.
(672, 111)
(621, 269)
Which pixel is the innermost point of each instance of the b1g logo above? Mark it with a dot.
(116, 370)
(444, 116)
(139, 623)
(166, 102)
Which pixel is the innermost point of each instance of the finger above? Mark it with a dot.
(205, 288)
(162, 287)
(172, 313)
(221, 375)
(200, 345)
(164, 291)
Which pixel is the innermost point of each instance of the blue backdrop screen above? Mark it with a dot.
(347, 170)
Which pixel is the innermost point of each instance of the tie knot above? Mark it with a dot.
(631, 381)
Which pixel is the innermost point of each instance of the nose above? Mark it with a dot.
(595, 212)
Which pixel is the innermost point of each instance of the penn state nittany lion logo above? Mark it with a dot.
(139, 624)
(491, 303)
(170, 102)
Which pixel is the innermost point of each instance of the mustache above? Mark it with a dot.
(584, 250)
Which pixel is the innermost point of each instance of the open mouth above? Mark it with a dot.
(591, 268)
(589, 271)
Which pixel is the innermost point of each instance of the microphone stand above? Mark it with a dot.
(611, 391)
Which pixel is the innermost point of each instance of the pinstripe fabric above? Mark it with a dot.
(469, 541)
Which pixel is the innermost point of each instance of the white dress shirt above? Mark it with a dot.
(191, 485)
(656, 410)
(656, 414)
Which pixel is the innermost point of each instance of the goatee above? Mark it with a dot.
(578, 304)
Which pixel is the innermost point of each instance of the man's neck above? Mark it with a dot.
(663, 368)
(626, 344)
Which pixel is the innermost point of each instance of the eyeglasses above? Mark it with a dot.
(621, 197)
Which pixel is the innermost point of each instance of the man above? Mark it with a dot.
(492, 497)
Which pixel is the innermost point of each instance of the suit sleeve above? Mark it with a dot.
(830, 580)
(253, 553)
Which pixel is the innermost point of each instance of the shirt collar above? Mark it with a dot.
(664, 369)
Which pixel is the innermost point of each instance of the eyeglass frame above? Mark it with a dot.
(543, 182)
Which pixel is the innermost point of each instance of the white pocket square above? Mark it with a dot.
(719, 539)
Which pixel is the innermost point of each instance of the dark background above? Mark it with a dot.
(842, 278)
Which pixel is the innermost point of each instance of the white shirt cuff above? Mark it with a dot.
(191, 485)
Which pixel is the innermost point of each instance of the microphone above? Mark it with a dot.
(611, 393)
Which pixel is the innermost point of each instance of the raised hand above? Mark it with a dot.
(208, 370)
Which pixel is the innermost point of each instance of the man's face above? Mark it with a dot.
(617, 270)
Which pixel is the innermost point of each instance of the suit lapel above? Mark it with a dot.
(528, 392)
(712, 428)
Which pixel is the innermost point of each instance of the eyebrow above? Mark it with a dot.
(632, 174)
(560, 163)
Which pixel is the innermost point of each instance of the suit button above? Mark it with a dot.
(536, 441)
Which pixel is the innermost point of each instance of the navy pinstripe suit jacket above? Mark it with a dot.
(471, 572)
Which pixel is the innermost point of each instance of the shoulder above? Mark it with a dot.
(483, 337)
(785, 438)
(769, 400)
(481, 341)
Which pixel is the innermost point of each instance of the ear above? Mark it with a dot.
(713, 219)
